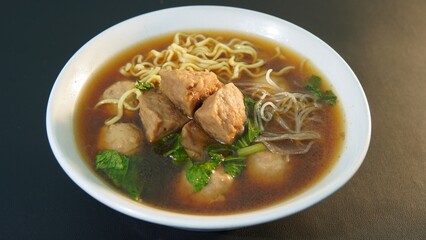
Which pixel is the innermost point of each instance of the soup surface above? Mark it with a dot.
(306, 150)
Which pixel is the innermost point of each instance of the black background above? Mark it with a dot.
(383, 41)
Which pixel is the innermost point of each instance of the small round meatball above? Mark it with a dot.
(220, 183)
(267, 168)
(114, 92)
(117, 89)
(125, 138)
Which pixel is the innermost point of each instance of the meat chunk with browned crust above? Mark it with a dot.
(223, 114)
(195, 140)
(188, 89)
(159, 116)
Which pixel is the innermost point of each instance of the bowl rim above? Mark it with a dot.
(189, 221)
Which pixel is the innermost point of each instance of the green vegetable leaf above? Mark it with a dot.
(180, 155)
(220, 149)
(234, 167)
(251, 133)
(329, 97)
(113, 164)
(249, 103)
(166, 143)
(245, 151)
(122, 170)
(314, 86)
(216, 157)
(199, 173)
(143, 86)
(134, 182)
(171, 146)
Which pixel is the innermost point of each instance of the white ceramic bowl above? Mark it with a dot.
(62, 101)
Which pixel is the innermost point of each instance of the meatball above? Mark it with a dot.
(267, 168)
(114, 92)
(117, 89)
(220, 183)
(125, 138)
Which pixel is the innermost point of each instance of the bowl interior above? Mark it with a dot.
(59, 117)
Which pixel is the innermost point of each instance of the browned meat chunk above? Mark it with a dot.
(195, 140)
(187, 89)
(223, 114)
(159, 116)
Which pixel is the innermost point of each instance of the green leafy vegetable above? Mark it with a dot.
(314, 86)
(251, 149)
(227, 155)
(166, 143)
(199, 173)
(113, 164)
(234, 167)
(249, 103)
(220, 149)
(121, 170)
(171, 146)
(143, 86)
(134, 182)
(251, 133)
(329, 97)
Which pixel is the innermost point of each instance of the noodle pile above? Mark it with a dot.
(292, 112)
(197, 52)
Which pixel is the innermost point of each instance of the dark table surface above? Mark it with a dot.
(383, 41)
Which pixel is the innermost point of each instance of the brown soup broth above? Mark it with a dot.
(307, 168)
